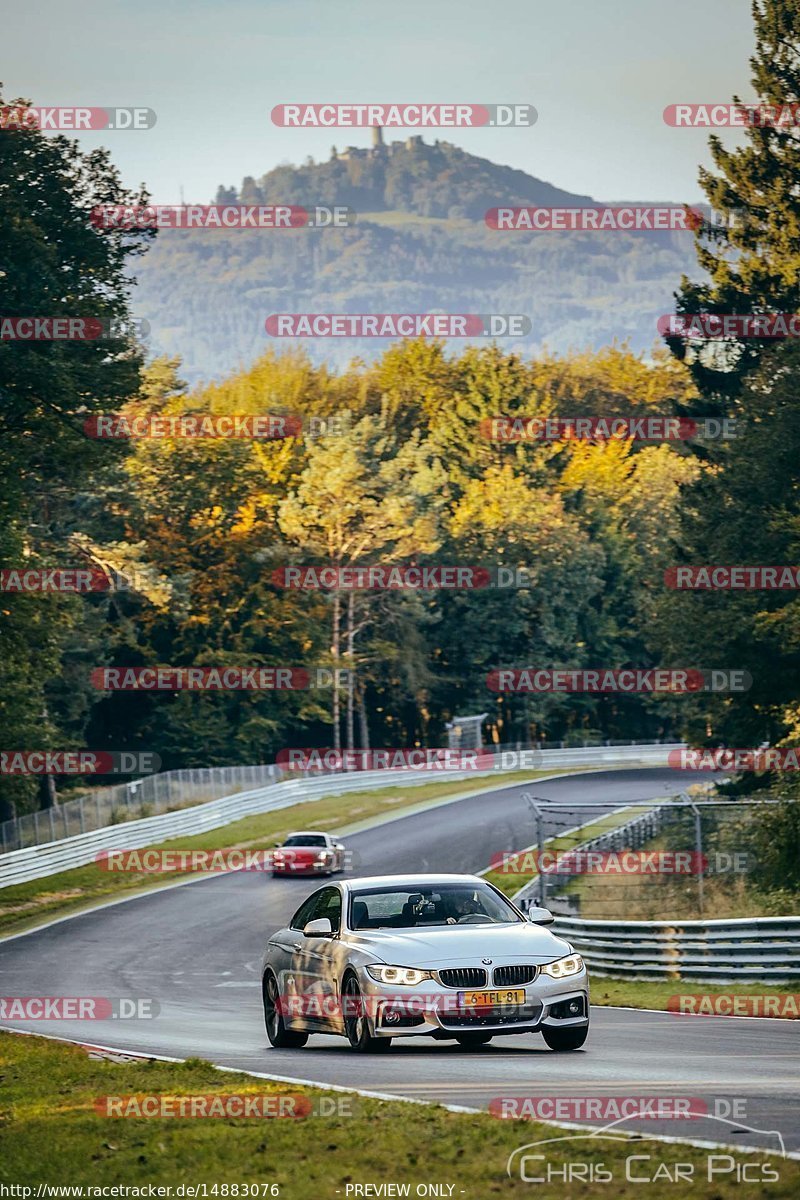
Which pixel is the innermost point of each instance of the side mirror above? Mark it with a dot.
(319, 928)
(338, 846)
(540, 916)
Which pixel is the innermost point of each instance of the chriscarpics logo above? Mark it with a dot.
(574, 1158)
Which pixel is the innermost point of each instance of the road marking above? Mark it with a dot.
(408, 1099)
(375, 1095)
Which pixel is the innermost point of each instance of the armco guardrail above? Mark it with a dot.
(748, 950)
(171, 790)
(35, 862)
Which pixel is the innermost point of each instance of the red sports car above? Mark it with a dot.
(308, 853)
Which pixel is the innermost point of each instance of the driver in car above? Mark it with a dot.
(462, 905)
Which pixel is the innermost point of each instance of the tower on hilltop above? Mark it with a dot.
(377, 138)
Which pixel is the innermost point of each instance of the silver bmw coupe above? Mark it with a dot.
(446, 956)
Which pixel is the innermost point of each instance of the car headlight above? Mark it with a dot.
(403, 975)
(570, 965)
(324, 855)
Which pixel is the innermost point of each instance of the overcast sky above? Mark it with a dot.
(599, 72)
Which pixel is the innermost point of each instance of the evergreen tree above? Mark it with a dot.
(750, 247)
(55, 263)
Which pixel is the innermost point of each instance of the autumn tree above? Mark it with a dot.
(367, 498)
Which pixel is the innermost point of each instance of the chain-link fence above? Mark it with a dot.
(685, 858)
(146, 797)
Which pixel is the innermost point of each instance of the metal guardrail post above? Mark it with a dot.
(540, 841)
(698, 850)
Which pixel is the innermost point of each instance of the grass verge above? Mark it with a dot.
(655, 897)
(26, 905)
(638, 993)
(51, 1133)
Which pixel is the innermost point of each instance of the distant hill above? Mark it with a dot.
(419, 243)
(432, 181)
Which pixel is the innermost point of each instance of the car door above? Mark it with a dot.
(315, 962)
(282, 952)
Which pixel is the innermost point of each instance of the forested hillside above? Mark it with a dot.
(419, 243)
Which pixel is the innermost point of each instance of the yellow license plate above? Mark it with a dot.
(494, 999)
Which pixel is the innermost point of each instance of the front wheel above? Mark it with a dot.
(280, 1037)
(565, 1039)
(471, 1041)
(356, 1024)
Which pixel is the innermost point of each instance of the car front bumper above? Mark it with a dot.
(433, 1009)
(305, 868)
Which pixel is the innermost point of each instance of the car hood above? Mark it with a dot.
(462, 946)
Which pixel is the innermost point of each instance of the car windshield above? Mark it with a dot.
(305, 839)
(413, 907)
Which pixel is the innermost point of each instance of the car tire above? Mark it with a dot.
(471, 1041)
(357, 1026)
(279, 1036)
(565, 1039)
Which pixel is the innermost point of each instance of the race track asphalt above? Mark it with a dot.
(196, 950)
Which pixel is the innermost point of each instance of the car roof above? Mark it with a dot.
(370, 881)
(307, 833)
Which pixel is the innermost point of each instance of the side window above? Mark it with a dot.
(305, 912)
(331, 907)
(327, 902)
